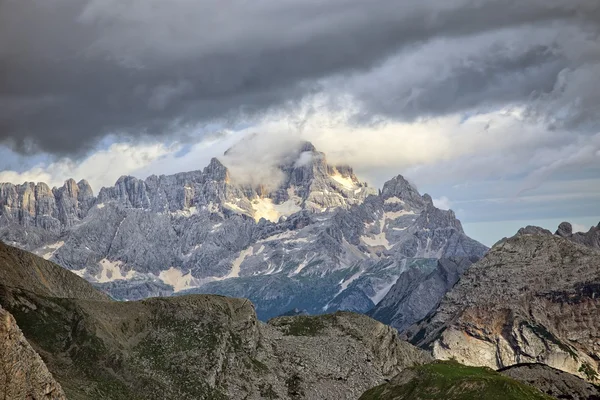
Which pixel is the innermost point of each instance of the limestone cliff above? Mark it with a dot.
(532, 298)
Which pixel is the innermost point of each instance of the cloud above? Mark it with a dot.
(443, 203)
(580, 228)
(102, 168)
(74, 71)
(256, 159)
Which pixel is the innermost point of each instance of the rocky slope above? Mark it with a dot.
(453, 381)
(197, 346)
(553, 382)
(418, 291)
(590, 238)
(23, 374)
(320, 240)
(532, 298)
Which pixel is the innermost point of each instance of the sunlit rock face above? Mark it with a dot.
(534, 297)
(316, 239)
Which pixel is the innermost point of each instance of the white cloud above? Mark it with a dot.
(101, 168)
(580, 228)
(443, 203)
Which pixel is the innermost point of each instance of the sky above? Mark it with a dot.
(490, 106)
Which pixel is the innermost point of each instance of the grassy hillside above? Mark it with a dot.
(450, 380)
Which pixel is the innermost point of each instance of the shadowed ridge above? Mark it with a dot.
(23, 270)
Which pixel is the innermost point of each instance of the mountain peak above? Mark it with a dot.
(401, 188)
(307, 146)
(565, 229)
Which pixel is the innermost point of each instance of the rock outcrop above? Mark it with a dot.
(553, 382)
(418, 291)
(197, 346)
(23, 374)
(532, 298)
(318, 240)
(590, 238)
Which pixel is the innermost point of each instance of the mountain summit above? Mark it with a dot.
(314, 237)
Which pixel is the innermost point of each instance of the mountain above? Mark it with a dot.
(553, 382)
(590, 238)
(22, 372)
(418, 291)
(191, 347)
(452, 381)
(534, 298)
(315, 238)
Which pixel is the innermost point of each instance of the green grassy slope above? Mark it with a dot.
(450, 380)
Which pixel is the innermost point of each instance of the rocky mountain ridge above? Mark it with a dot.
(321, 240)
(533, 298)
(553, 382)
(194, 347)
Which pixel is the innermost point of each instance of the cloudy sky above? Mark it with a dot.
(491, 106)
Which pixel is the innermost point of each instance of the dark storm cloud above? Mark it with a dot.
(72, 71)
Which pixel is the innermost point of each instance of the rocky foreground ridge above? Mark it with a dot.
(23, 374)
(553, 382)
(534, 298)
(320, 240)
(190, 347)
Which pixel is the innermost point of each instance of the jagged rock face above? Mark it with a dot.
(201, 347)
(590, 238)
(23, 374)
(532, 298)
(553, 382)
(321, 241)
(418, 291)
(36, 205)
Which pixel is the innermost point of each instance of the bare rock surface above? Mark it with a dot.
(534, 298)
(553, 382)
(318, 239)
(23, 374)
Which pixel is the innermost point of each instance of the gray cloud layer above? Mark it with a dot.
(72, 71)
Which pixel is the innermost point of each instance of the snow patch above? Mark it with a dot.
(299, 240)
(235, 265)
(377, 240)
(347, 183)
(100, 205)
(301, 266)
(111, 271)
(53, 248)
(348, 281)
(265, 208)
(398, 214)
(394, 200)
(186, 213)
(380, 293)
(179, 281)
(234, 207)
(79, 272)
